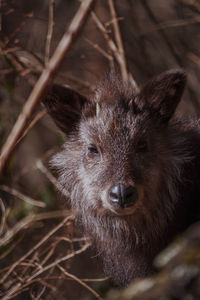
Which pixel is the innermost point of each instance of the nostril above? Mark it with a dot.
(123, 196)
(130, 196)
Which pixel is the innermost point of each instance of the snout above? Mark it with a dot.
(122, 196)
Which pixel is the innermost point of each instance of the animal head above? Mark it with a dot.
(118, 144)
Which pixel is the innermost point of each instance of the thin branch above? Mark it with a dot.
(44, 80)
(29, 280)
(22, 196)
(25, 222)
(17, 64)
(80, 82)
(39, 116)
(99, 49)
(79, 281)
(40, 293)
(112, 46)
(3, 216)
(83, 279)
(172, 23)
(194, 58)
(133, 83)
(108, 23)
(14, 230)
(42, 241)
(14, 33)
(118, 39)
(60, 260)
(50, 31)
(40, 166)
(103, 52)
(110, 42)
(10, 248)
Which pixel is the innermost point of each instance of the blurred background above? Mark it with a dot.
(157, 35)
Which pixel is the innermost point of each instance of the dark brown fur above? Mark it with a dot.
(138, 144)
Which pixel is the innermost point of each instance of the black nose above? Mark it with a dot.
(123, 196)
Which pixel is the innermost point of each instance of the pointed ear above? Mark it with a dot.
(64, 106)
(163, 93)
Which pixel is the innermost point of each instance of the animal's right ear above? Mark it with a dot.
(64, 106)
(162, 94)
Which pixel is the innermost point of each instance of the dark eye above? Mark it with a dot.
(92, 151)
(142, 146)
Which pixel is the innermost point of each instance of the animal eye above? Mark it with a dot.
(142, 146)
(92, 151)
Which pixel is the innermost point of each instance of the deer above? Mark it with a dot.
(132, 168)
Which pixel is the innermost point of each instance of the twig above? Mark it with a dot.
(25, 222)
(112, 46)
(11, 50)
(13, 34)
(10, 248)
(16, 63)
(108, 23)
(100, 50)
(79, 281)
(46, 237)
(40, 293)
(95, 279)
(29, 280)
(22, 196)
(118, 39)
(40, 166)
(59, 260)
(81, 83)
(50, 31)
(194, 58)
(45, 79)
(39, 116)
(83, 279)
(3, 216)
(13, 231)
(172, 23)
(110, 42)
(133, 83)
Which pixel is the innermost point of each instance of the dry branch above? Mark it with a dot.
(27, 221)
(21, 196)
(50, 31)
(3, 216)
(44, 80)
(79, 281)
(43, 240)
(118, 39)
(38, 116)
(100, 50)
(40, 166)
(120, 58)
(29, 280)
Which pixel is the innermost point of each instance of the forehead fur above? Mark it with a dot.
(119, 114)
(115, 124)
(112, 94)
(112, 89)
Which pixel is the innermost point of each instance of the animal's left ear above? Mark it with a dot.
(163, 93)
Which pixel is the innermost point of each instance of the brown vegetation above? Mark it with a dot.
(143, 38)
